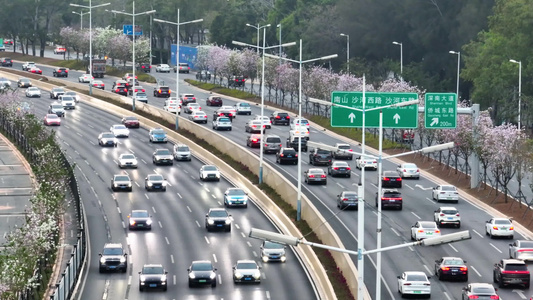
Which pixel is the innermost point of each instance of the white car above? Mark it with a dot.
(447, 215)
(73, 95)
(33, 92)
(192, 107)
(162, 68)
(209, 172)
(414, 283)
(246, 271)
(408, 170)
(243, 108)
(120, 130)
(222, 123)
(265, 119)
(28, 65)
(172, 107)
(423, 230)
(499, 227)
(365, 162)
(198, 117)
(182, 152)
(141, 97)
(68, 102)
(127, 160)
(300, 131)
(85, 78)
(5, 82)
(445, 193)
(229, 108)
(297, 122)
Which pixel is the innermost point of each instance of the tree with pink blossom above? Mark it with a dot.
(218, 62)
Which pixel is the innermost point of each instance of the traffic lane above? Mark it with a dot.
(121, 201)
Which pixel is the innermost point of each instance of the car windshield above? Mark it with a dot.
(350, 195)
(67, 98)
(57, 106)
(141, 94)
(454, 262)
(246, 265)
(119, 127)
(320, 151)
(271, 245)
(273, 140)
(448, 188)
(158, 131)
(122, 178)
(224, 120)
(183, 149)
(204, 266)
(155, 177)
(416, 277)
(428, 225)
(112, 251)
(344, 147)
(526, 244)
(409, 166)
(218, 214)
(216, 98)
(24, 80)
(244, 105)
(128, 156)
(108, 135)
(502, 222)
(163, 152)
(449, 212)
(236, 192)
(153, 270)
(139, 214)
(188, 96)
(340, 164)
(516, 267)
(52, 116)
(483, 290)
(210, 168)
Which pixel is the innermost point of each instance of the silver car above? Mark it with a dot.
(271, 251)
(33, 92)
(182, 152)
(246, 271)
(272, 144)
(408, 170)
(155, 182)
(162, 156)
(141, 97)
(521, 249)
(127, 160)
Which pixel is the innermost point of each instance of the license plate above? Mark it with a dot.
(393, 180)
(202, 280)
(417, 292)
(275, 256)
(156, 186)
(504, 228)
(392, 200)
(219, 225)
(112, 267)
(450, 218)
(289, 156)
(153, 285)
(247, 278)
(140, 225)
(429, 233)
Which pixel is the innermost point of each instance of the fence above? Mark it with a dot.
(69, 276)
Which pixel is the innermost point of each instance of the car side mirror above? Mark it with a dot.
(465, 261)
(437, 261)
(207, 215)
(233, 268)
(229, 215)
(436, 211)
(100, 254)
(166, 272)
(464, 288)
(487, 222)
(398, 277)
(429, 277)
(510, 244)
(125, 254)
(139, 272)
(188, 269)
(215, 269)
(259, 267)
(261, 247)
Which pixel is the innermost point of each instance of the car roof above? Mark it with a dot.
(201, 261)
(415, 273)
(152, 265)
(447, 208)
(246, 261)
(451, 258)
(113, 245)
(217, 209)
(480, 284)
(316, 170)
(513, 261)
(389, 190)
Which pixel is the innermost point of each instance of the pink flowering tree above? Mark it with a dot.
(288, 82)
(218, 62)
(250, 64)
(202, 59)
(120, 48)
(271, 75)
(483, 142)
(69, 37)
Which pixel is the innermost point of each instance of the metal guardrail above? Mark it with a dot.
(69, 276)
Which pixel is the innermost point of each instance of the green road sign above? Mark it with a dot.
(393, 117)
(440, 111)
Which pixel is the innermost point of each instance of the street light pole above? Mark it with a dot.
(257, 28)
(151, 16)
(401, 57)
(458, 68)
(301, 62)
(90, 7)
(347, 52)
(133, 14)
(81, 14)
(519, 89)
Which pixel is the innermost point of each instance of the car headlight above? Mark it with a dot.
(115, 184)
(149, 222)
(164, 183)
(102, 260)
(213, 275)
(129, 184)
(210, 222)
(218, 175)
(122, 259)
(238, 275)
(283, 258)
(143, 278)
(163, 278)
(265, 258)
(257, 275)
(228, 221)
(132, 222)
(191, 276)
(149, 183)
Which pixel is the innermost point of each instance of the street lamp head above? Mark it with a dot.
(278, 26)
(329, 57)
(342, 34)
(454, 52)
(248, 24)
(267, 25)
(288, 44)
(396, 43)
(514, 61)
(436, 148)
(273, 237)
(447, 238)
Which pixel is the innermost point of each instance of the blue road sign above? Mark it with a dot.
(128, 29)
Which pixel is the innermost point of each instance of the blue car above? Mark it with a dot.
(158, 135)
(235, 197)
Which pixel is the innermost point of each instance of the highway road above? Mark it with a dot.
(178, 235)
(480, 252)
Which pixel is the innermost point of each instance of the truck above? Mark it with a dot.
(98, 68)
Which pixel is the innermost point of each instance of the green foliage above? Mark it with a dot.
(71, 64)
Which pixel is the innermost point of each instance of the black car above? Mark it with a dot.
(24, 83)
(162, 91)
(145, 67)
(153, 276)
(451, 267)
(282, 118)
(203, 75)
(347, 199)
(202, 272)
(140, 219)
(56, 108)
(155, 182)
(236, 81)
(6, 62)
(390, 198)
(60, 72)
(121, 90)
(217, 218)
(287, 155)
(391, 179)
(223, 113)
(320, 156)
(113, 258)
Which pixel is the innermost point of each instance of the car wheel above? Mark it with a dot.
(412, 237)
(100, 270)
(441, 277)
(191, 284)
(165, 289)
(214, 284)
(458, 225)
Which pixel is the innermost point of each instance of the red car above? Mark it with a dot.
(131, 122)
(213, 101)
(36, 70)
(52, 119)
(98, 84)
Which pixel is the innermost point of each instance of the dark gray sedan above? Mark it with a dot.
(347, 199)
(153, 276)
(340, 168)
(315, 175)
(202, 272)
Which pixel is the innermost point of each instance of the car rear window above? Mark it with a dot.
(516, 267)
(320, 151)
(392, 194)
(273, 140)
(527, 244)
(224, 120)
(454, 262)
(449, 212)
(502, 222)
(448, 188)
(164, 88)
(416, 277)
(483, 290)
(390, 174)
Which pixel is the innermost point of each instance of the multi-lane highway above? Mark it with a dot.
(481, 252)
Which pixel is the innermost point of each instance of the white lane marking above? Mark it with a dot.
(92, 143)
(137, 184)
(206, 239)
(243, 235)
(189, 209)
(131, 151)
(453, 247)
(172, 258)
(409, 186)
(90, 126)
(429, 271)
(166, 239)
(153, 209)
(79, 134)
(160, 225)
(267, 294)
(430, 200)
(447, 297)
(374, 185)
(146, 195)
(180, 196)
(395, 232)
(118, 209)
(477, 233)
(144, 161)
(106, 289)
(237, 226)
(495, 248)
(342, 187)
(129, 280)
(254, 253)
(355, 174)
(168, 183)
(174, 279)
(197, 223)
(416, 215)
(214, 196)
(375, 213)
(215, 258)
(220, 282)
(207, 190)
(324, 187)
(478, 274)
(411, 248)
(123, 225)
(249, 245)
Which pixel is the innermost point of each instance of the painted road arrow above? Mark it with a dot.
(434, 121)
(352, 117)
(396, 118)
(423, 188)
(520, 293)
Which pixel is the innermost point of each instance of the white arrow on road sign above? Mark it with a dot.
(352, 117)
(520, 293)
(434, 121)
(129, 32)
(423, 188)
(396, 118)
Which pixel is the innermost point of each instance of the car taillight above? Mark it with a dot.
(142, 67)
(281, 155)
(348, 169)
(418, 170)
(515, 272)
(463, 269)
(254, 140)
(280, 145)
(159, 91)
(399, 179)
(344, 199)
(427, 283)
(278, 117)
(404, 170)
(420, 230)
(116, 91)
(494, 297)
(457, 215)
(445, 268)
(442, 215)
(386, 178)
(323, 176)
(512, 228)
(437, 231)
(311, 176)
(193, 98)
(525, 250)
(169, 91)
(335, 168)
(494, 227)
(407, 283)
